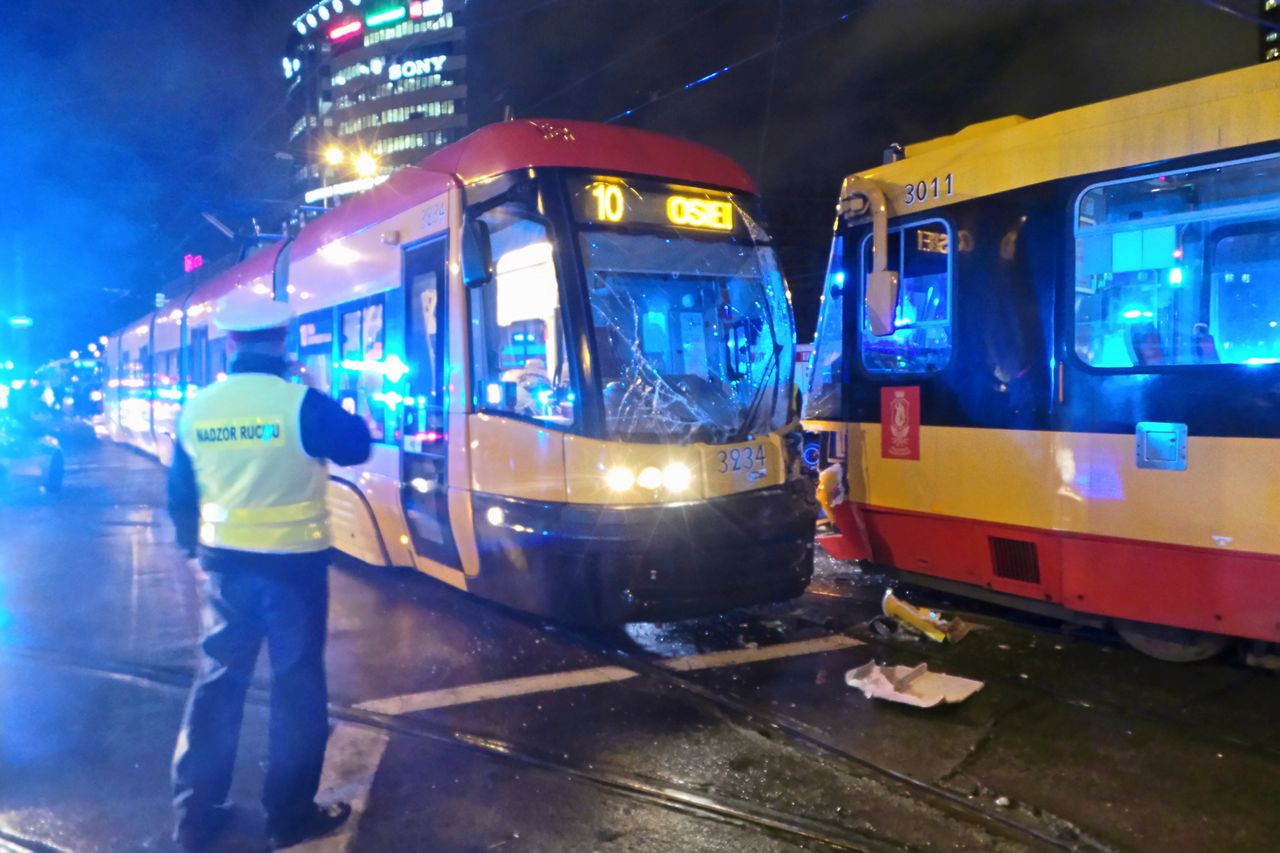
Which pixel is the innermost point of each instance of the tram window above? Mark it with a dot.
(363, 341)
(518, 345)
(351, 334)
(217, 359)
(425, 326)
(199, 353)
(1180, 269)
(315, 350)
(165, 368)
(826, 377)
(921, 254)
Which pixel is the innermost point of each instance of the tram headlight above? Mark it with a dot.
(619, 479)
(677, 477)
(650, 478)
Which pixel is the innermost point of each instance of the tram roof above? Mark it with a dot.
(1228, 110)
(521, 144)
(512, 145)
(492, 150)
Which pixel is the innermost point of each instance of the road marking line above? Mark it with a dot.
(737, 657)
(496, 690)
(350, 763)
(523, 686)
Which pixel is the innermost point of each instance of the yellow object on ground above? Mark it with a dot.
(831, 489)
(926, 622)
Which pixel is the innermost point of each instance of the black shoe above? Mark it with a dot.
(321, 820)
(200, 834)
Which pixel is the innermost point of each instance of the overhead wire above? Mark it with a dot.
(1274, 26)
(707, 78)
(626, 55)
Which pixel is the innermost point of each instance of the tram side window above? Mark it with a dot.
(1180, 269)
(315, 350)
(921, 254)
(826, 376)
(362, 343)
(518, 349)
(217, 361)
(167, 367)
(199, 352)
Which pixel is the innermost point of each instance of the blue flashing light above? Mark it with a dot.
(838, 278)
(544, 397)
(392, 367)
(1132, 314)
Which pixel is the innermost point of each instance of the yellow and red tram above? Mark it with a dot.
(574, 348)
(1048, 358)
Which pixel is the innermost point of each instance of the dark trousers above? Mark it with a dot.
(284, 600)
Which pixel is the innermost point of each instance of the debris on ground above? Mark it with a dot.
(911, 685)
(1264, 656)
(892, 629)
(1002, 802)
(927, 622)
(831, 489)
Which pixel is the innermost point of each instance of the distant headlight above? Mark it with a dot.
(677, 477)
(620, 479)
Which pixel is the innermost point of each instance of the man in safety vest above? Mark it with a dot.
(247, 487)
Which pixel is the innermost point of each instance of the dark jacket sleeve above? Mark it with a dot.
(330, 432)
(184, 500)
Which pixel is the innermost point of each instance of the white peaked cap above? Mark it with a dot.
(241, 311)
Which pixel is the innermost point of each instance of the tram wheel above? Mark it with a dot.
(1175, 645)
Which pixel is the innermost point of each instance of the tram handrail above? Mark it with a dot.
(861, 198)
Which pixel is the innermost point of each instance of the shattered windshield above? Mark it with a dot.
(693, 330)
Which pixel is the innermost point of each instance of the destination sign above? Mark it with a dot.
(614, 201)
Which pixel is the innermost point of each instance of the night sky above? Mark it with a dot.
(120, 123)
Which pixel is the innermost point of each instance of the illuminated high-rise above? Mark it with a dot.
(386, 80)
(1269, 32)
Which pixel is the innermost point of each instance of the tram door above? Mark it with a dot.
(424, 480)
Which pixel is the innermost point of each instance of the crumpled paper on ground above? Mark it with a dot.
(911, 685)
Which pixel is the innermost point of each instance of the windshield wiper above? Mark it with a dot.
(753, 408)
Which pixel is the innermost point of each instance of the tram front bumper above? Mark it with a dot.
(593, 564)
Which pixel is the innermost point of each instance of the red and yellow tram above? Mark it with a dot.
(1049, 360)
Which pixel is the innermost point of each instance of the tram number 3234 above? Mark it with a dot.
(922, 191)
(742, 459)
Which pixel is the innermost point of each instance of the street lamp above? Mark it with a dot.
(333, 155)
(366, 165)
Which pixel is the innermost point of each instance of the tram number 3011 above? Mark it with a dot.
(922, 191)
(742, 459)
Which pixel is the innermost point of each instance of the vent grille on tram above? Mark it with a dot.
(1014, 559)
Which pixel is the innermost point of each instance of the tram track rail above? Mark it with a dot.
(1047, 832)
(813, 833)
(816, 743)
(1088, 700)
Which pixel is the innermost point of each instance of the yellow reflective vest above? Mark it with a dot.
(259, 490)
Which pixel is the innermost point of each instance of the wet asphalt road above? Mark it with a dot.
(646, 739)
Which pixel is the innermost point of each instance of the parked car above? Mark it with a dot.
(28, 456)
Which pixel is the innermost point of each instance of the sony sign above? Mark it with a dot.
(415, 67)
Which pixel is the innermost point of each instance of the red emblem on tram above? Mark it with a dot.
(900, 422)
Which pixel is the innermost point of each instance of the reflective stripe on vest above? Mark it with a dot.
(259, 490)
